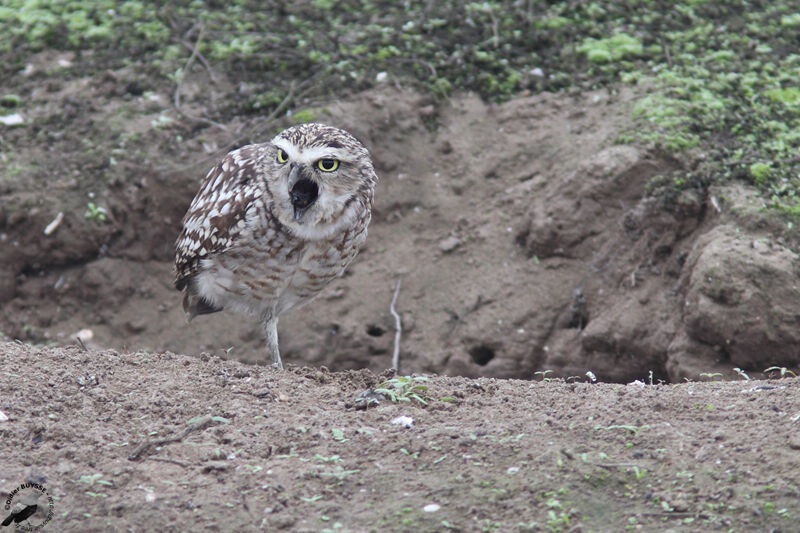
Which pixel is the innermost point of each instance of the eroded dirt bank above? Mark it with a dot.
(526, 237)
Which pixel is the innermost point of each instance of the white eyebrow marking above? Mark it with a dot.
(307, 155)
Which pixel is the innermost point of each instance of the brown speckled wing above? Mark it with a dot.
(216, 216)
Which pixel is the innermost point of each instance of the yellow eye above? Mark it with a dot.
(327, 165)
(283, 157)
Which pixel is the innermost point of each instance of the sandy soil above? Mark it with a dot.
(533, 247)
(166, 442)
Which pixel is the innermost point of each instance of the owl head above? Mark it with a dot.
(321, 178)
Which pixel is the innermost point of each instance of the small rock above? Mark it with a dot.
(12, 120)
(85, 335)
(136, 325)
(381, 77)
(403, 420)
(449, 244)
(431, 508)
(262, 393)
(368, 398)
(427, 110)
(215, 466)
(3, 417)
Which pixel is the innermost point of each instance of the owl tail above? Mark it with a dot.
(194, 305)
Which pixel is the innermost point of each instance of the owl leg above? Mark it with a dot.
(271, 330)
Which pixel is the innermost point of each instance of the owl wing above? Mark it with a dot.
(216, 216)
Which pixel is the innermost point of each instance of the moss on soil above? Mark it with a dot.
(720, 76)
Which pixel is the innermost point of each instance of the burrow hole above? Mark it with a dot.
(373, 330)
(481, 354)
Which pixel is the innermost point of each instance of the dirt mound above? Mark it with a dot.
(166, 442)
(524, 235)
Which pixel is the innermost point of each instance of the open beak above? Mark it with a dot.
(302, 191)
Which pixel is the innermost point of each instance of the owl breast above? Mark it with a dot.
(279, 270)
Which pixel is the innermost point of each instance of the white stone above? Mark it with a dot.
(85, 335)
(403, 420)
(11, 120)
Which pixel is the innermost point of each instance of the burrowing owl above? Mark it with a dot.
(274, 223)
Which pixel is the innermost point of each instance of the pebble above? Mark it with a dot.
(11, 120)
(403, 420)
(85, 335)
(449, 244)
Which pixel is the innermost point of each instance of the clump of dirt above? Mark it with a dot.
(525, 237)
(167, 442)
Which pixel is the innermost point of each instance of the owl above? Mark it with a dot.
(273, 224)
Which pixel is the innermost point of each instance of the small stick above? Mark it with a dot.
(168, 460)
(52, 226)
(398, 328)
(144, 448)
(82, 345)
(177, 95)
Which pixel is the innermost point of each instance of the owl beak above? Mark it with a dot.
(302, 191)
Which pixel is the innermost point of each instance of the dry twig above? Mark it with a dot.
(145, 447)
(398, 328)
(177, 96)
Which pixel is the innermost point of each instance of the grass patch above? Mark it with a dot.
(722, 76)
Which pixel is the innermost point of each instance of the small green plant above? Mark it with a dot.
(557, 513)
(413, 455)
(614, 48)
(330, 459)
(760, 172)
(544, 373)
(405, 389)
(95, 478)
(782, 370)
(742, 373)
(10, 100)
(339, 474)
(304, 115)
(96, 213)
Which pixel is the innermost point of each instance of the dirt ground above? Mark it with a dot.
(535, 250)
(166, 442)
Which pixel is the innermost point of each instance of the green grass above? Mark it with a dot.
(405, 389)
(719, 77)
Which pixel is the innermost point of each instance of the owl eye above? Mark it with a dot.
(283, 157)
(327, 165)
